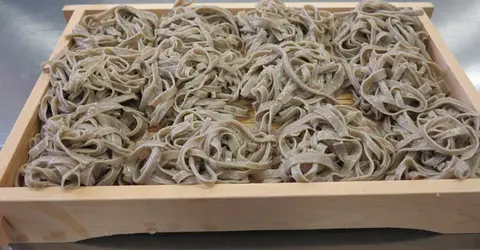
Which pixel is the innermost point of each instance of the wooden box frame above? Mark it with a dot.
(60, 215)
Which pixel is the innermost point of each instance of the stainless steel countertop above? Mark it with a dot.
(28, 33)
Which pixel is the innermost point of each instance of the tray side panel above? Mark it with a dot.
(66, 221)
(15, 151)
(460, 85)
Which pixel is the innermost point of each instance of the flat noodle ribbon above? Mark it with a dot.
(200, 147)
(87, 147)
(332, 144)
(441, 143)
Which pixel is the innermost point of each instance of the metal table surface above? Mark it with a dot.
(28, 32)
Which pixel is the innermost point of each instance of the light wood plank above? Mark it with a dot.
(6, 233)
(53, 214)
(240, 191)
(15, 150)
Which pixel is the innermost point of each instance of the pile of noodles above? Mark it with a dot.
(138, 98)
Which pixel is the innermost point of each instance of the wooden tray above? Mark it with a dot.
(59, 215)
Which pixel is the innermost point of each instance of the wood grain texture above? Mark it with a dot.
(6, 233)
(63, 215)
(53, 214)
(344, 99)
(15, 150)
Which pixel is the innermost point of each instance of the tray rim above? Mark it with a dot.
(240, 191)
